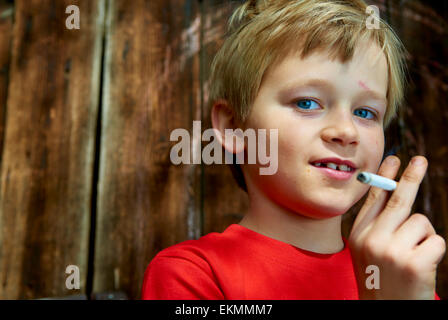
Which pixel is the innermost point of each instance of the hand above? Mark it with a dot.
(405, 248)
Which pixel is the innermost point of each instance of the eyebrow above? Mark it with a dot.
(375, 95)
(319, 83)
(324, 84)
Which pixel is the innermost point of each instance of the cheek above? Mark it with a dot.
(294, 140)
(375, 153)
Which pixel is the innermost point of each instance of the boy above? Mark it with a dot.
(330, 85)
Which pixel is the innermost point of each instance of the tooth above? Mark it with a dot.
(332, 166)
(344, 167)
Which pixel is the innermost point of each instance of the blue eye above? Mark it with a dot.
(306, 104)
(364, 112)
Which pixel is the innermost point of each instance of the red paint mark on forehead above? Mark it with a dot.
(363, 85)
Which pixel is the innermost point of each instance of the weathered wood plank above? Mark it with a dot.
(6, 24)
(224, 202)
(146, 203)
(48, 148)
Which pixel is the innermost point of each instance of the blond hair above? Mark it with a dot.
(261, 33)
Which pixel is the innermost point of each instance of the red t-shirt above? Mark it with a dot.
(241, 264)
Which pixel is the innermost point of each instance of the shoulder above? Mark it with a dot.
(206, 247)
(186, 265)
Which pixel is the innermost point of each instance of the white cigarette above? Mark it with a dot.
(377, 181)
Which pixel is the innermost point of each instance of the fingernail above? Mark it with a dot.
(417, 161)
(391, 161)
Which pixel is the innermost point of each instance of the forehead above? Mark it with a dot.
(367, 69)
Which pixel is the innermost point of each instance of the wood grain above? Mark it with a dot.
(48, 151)
(151, 87)
(6, 25)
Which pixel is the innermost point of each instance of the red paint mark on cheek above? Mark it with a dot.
(363, 85)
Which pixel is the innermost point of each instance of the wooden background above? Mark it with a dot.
(85, 123)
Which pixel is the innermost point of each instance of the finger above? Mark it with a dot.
(413, 231)
(377, 197)
(431, 250)
(399, 206)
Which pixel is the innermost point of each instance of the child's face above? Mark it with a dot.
(339, 122)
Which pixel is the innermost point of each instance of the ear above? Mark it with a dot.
(223, 118)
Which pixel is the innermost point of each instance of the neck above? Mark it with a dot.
(317, 235)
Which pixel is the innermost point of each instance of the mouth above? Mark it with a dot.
(335, 168)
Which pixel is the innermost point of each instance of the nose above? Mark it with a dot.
(340, 128)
